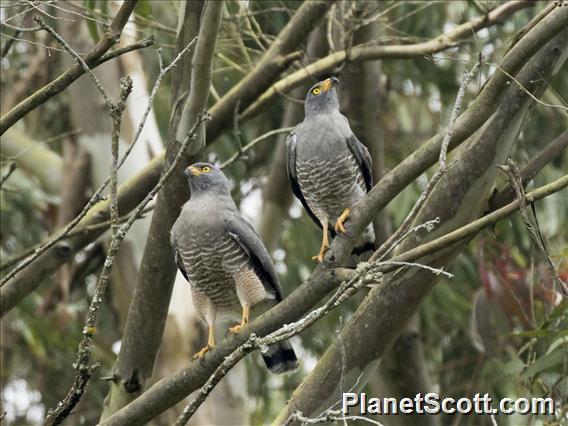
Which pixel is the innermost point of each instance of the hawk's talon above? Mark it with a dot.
(339, 227)
(236, 328)
(319, 257)
(244, 321)
(202, 352)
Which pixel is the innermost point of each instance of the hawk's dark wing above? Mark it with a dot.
(243, 233)
(293, 178)
(177, 257)
(363, 158)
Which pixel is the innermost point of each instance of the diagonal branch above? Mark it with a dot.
(327, 64)
(73, 73)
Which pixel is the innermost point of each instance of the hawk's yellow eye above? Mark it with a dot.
(205, 169)
(316, 91)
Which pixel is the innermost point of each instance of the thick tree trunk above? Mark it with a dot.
(149, 306)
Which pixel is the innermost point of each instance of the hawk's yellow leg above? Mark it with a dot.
(324, 245)
(339, 228)
(235, 329)
(210, 343)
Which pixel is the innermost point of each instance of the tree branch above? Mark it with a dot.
(84, 371)
(552, 151)
(73, 73)
(326, 65)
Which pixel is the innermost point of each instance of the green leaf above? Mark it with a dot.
(144, 9)
(558, 356)
(513, 367)
(91, 24)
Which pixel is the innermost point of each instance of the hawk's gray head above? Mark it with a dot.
(322, 97)
(206, 177)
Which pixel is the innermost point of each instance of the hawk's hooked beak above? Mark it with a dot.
(329, 83)
(192, 171)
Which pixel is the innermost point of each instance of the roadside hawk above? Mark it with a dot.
(225, 262)
(328, 168)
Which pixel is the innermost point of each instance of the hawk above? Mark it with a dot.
(328, 168)
(225, 262)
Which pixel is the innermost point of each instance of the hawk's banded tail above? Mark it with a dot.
(280, 357)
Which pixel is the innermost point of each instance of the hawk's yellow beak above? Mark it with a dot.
(192, 170)
(326, 85)
(329, 83)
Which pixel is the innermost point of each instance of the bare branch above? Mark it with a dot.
(364, 53)
(21, 29)
(78, 59)
(516, 180)
(552, 151)
(242, 152)
(11, 169)
(73, 73)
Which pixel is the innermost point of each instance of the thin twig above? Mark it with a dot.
(79, 231)
(21, 29)
(78, 59)
(435, 271)
(115, 53)
(537, 162)
(84, 371)
(468, 75)
(11, 168)
(428, 226)
(116, 114)
(528, 92)
(239, 154)
(8, 45)
(516, 181)
(328, 417)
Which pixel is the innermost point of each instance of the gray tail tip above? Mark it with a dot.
(280, 358)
